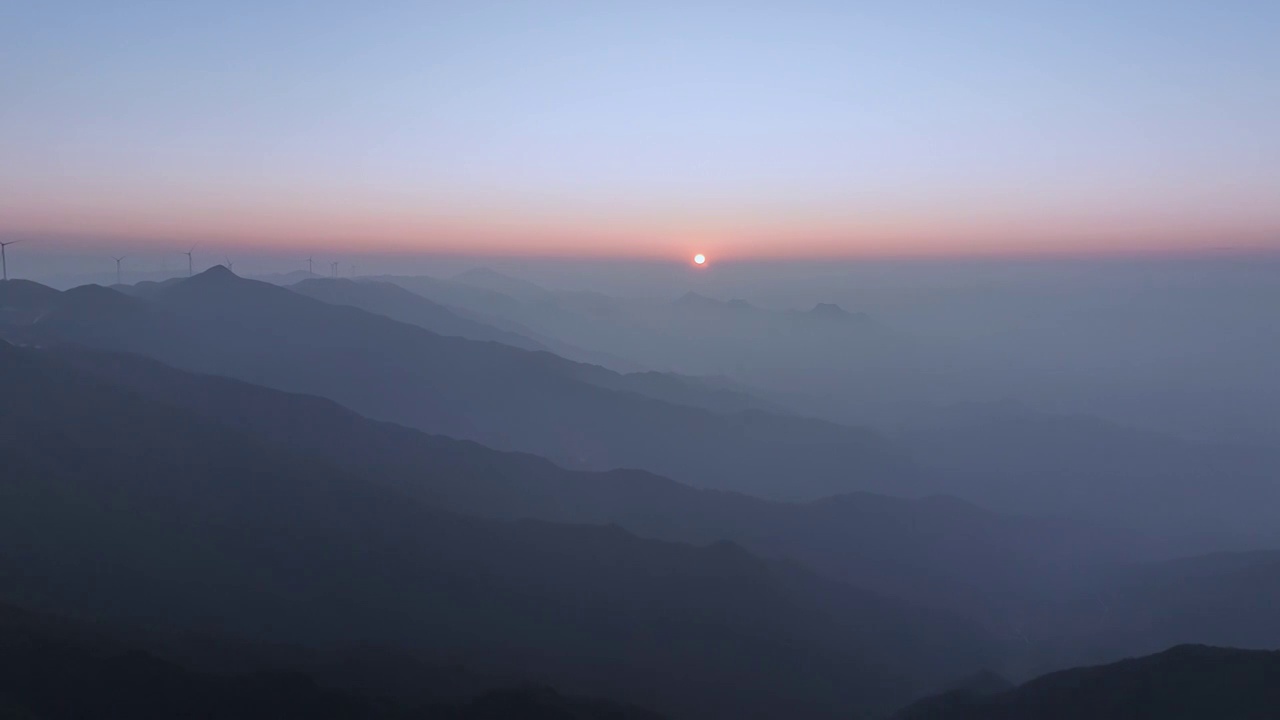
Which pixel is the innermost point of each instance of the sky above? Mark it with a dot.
(645, 130)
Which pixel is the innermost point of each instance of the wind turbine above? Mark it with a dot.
(229, 267)
(190, 266)
(333, 269)
(310, 271)
(118, 259)
(5, 260)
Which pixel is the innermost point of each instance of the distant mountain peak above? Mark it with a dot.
(93, 293)
(217, 271)
(830, 310)
(217, 276)
(221, 284)
(694, 299)
(24, 293)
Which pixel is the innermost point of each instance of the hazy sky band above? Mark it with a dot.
(749, 129)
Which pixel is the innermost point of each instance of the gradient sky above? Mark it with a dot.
(644, 129)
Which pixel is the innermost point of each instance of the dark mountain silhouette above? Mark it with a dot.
(23, 302)
(24, 295)
(1189, 682)
(52, 669)
(501, 396)
(938, 551)
(969, 691)
(121, 507)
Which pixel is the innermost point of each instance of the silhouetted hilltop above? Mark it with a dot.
(146, 288)
(26, 295)
(23, 302)
(1189, 682)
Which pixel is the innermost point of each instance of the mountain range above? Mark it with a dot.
(1188, 682)
(52, 668)
(496, 394)
(124, 508)
(936, 551)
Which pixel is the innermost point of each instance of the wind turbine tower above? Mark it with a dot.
(310, 269)
(4, 260)
(118, 259)
(190, 265)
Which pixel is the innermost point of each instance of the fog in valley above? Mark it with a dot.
(837, 488)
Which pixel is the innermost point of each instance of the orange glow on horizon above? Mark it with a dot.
(90, 222)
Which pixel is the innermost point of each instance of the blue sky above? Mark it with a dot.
(748, 128)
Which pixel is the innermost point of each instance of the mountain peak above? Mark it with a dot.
(830, 310)
(692, 298)
(217, 276)
(26, 294)
(94, 294)
(217, 271)
(222, 284)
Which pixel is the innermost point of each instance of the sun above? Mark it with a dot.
(699, 259)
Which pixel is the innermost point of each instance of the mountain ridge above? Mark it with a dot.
(498, 395)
